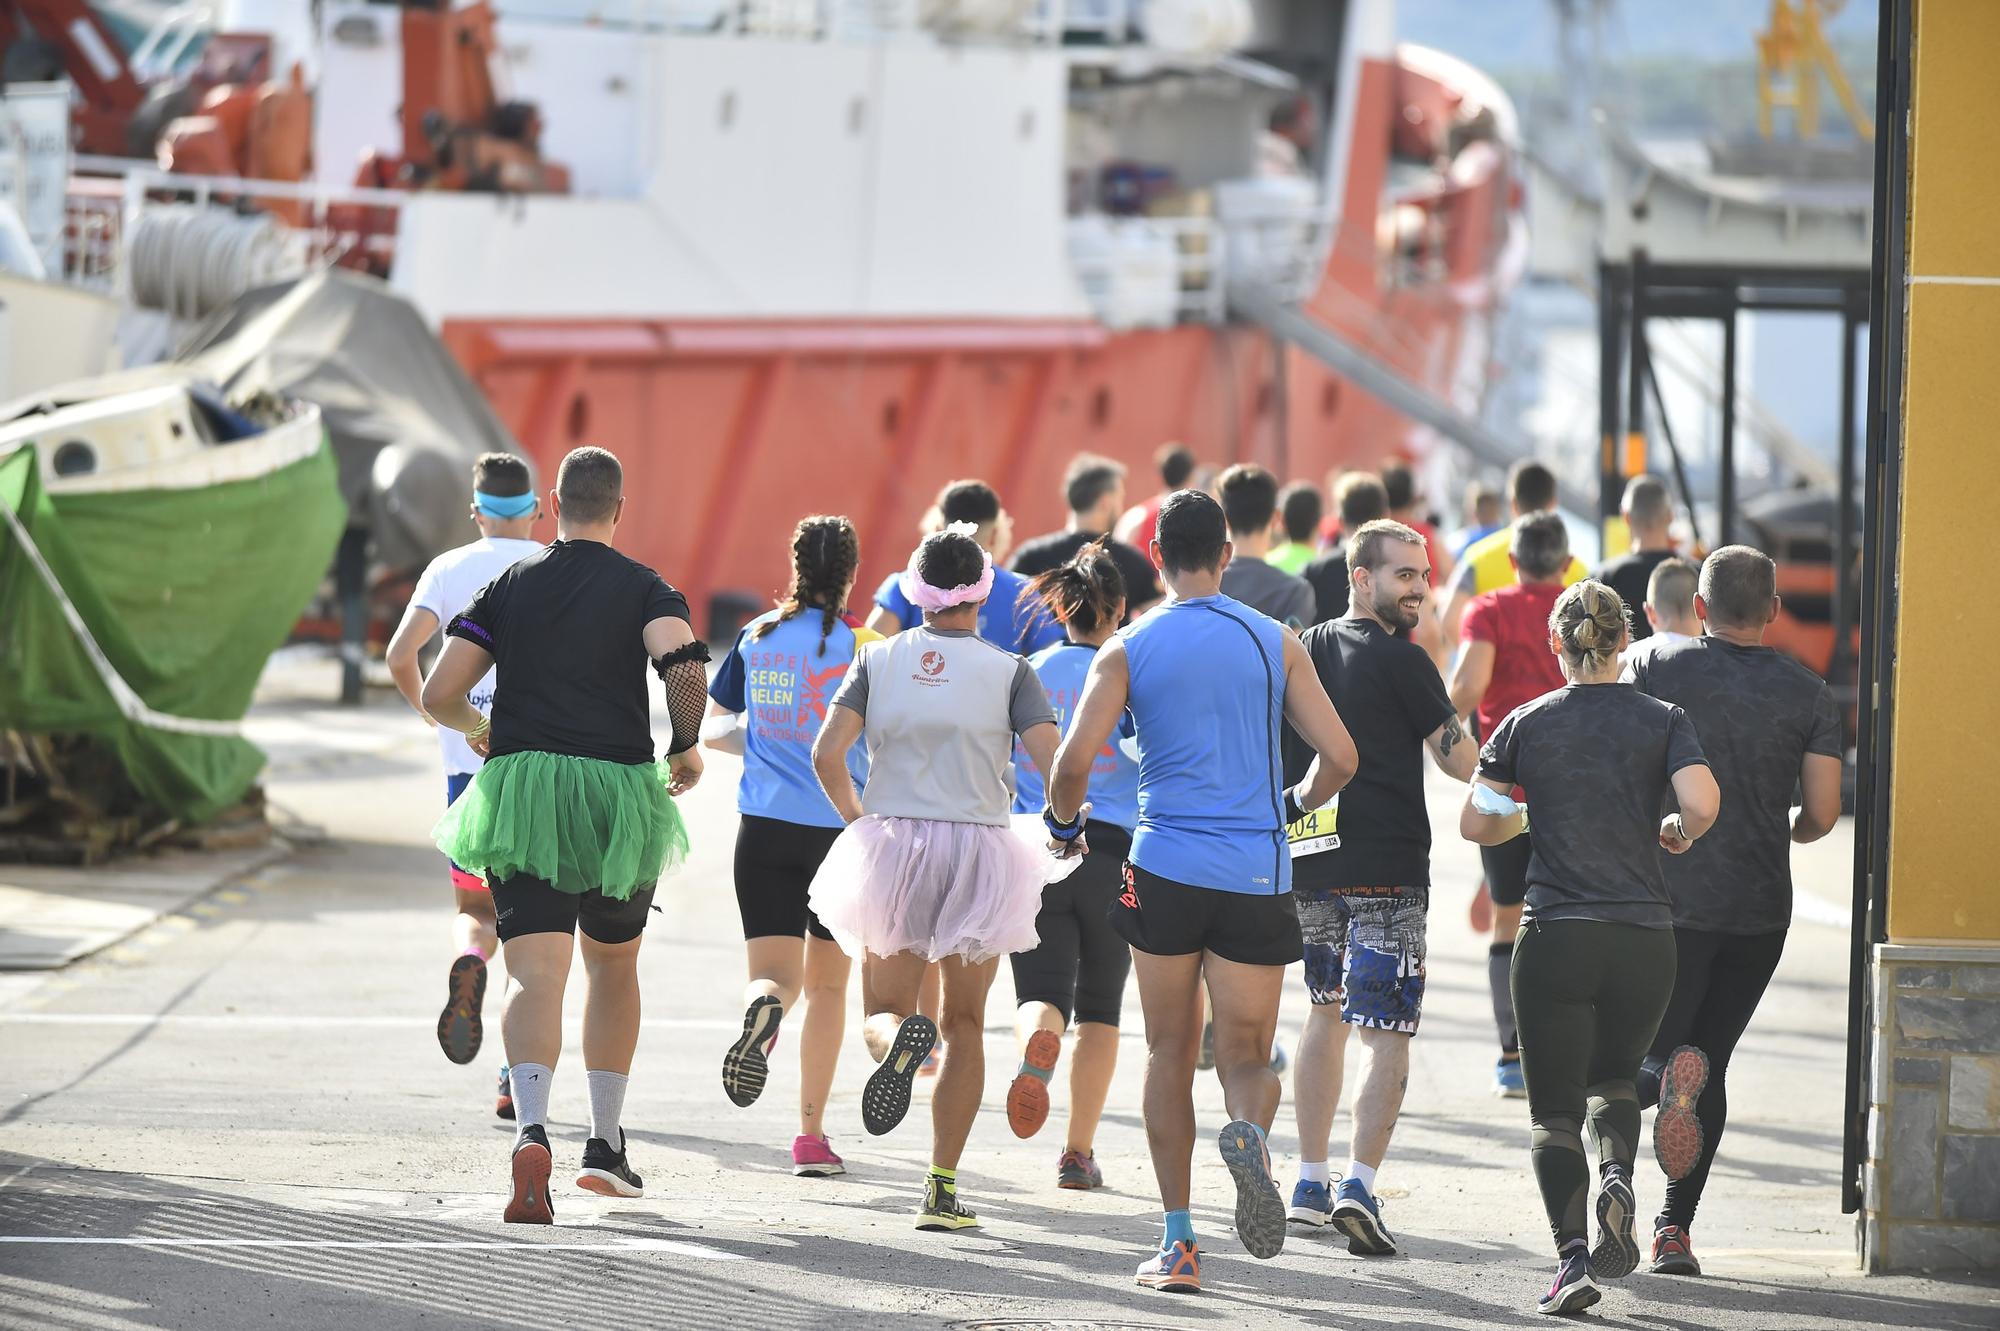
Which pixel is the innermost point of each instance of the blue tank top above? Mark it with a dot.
(1207, 705)
(783, 685)
(1114, 777)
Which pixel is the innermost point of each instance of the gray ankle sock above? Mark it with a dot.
(607, 1102)
(531, 1093)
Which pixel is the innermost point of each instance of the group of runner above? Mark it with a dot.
(1217, 793)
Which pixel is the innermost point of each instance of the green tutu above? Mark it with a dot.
(580, 823)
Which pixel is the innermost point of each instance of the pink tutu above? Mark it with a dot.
(941, 889)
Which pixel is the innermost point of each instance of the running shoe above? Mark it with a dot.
(1312, 1204)
(813, 1157)
(1204, 1058)
(503, 1097)
(1359, 1216)
(1280, 1060)
(530, 1203)
(459, 1027)
(1509, 1082)
(1480, 913)
(1677, 1135)
(746, 1064)
(606, 1172)
(1078, 1171)
(1260, 1215)
(1175, 1268)
(886, 1096)
(1673, 1252)
(933, 1061)
(1573, 1290)
(942, 1209)
(1028, 1097)
(1617, 1252)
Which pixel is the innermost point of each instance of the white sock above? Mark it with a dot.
(1313, 1171)
(531, 1093)
(607, 1102)
(1363, 1174)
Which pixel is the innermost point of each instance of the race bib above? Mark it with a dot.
(1315, 832)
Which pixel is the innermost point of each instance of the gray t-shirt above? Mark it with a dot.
(1596, 761)
(1759, 714)
(1270, 591)
(940, 709)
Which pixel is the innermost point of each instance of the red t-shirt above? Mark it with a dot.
(1516, 621)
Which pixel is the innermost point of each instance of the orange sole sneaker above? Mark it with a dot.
(1677, 1134)
(531, 1203)
(1028, 1097)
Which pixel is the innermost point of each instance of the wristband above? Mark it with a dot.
(1060, 830)
(1293, 809)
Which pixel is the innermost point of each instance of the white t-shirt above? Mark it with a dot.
(446, 588)
(1646, 648)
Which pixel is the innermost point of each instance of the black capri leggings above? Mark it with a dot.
(1588, 997)
(1081, 965)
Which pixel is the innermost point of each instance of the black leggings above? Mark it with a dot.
(1721, 979)
(1588, 997)
(1079, 968)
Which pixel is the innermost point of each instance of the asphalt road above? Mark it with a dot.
(240, 1118)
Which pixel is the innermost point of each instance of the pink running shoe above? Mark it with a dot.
(813, 1157)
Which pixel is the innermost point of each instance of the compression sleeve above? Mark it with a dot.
(687, 693)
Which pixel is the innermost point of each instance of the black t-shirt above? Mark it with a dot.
(1390, 697)
(1628, 575)
(1596, 761)
(1142, 584)
(566, 629)
(1327, 576)
(1759, 714)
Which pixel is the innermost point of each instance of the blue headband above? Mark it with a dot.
(504, 506)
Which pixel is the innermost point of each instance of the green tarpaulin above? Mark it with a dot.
(185, 593)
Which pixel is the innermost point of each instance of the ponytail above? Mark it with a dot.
(1590, 620)
(1084, 594)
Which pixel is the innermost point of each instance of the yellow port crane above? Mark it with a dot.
(1791, 54)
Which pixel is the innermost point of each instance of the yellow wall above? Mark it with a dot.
(1944, 863)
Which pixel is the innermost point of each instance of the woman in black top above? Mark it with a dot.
(1594, 962)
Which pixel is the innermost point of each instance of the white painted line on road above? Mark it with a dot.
(673, 1246)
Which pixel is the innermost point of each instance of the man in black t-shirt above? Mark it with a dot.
(1094, 490)
(1770, 728)
(1361, 872)
(571, 820)
(1648, 510)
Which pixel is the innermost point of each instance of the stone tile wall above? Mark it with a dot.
(1932, 1182)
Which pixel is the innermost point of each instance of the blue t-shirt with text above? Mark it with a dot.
(1114, 777)
(782, 683)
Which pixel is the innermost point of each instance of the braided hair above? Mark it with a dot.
(1590, 621)
(825, 555)
(1085, 594)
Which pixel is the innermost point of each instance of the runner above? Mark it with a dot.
(769, 699)
(1484, 567)
(1094, 492)
(1406, 505)
(1482, 518)
(1209, 684)
(571, 820)
(1595, 961)
(1011, 619)
(1078, 972)
(1299, 511)
(1363, 884)
(1670, 595)
(1249, 496)
(1648, 510)
(1359, 499)
(504, 509)
(1136, 525)
(1770, 727)
(1505, 661)
(928, 869)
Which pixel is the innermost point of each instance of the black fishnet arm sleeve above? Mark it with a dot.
(686, 685)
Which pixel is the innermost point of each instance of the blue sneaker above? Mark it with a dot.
(1359, 1216)
(1509, 1082)
(1312, 1204)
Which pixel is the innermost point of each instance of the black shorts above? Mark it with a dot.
(1507, 870)
(525, 904)
(1170, 919)
(1080, 967)
(775, 864)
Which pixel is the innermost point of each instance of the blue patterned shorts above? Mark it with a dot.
(1366, 954)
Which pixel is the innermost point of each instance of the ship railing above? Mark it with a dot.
(188, 243)
(1043, 22)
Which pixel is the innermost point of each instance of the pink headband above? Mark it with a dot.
(933, 599)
